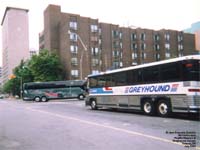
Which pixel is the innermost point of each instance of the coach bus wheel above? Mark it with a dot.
(37, 99)
(44, 99)
(148, 107)
(93, 105)
(163, 108)
(81, 97)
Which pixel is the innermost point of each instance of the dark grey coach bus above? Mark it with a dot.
(44, 91)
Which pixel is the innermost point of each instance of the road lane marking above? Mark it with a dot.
(108, 127)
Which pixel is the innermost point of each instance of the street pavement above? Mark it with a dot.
(69, 125)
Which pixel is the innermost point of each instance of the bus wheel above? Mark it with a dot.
(81, 97)
(93, 105)
(37, 99)
(148, 107)
(164, 108)
(44, 99)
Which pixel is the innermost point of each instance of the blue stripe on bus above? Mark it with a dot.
(100, 91)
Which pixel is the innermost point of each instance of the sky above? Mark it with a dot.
(150, 14)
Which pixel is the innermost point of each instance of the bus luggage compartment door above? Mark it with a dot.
(123, 101)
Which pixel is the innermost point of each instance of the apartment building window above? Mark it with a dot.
(143, 55)
(143, 46)
(100, 41)
(167, 36)
(133, 36)
(134, 56)
(121, 45)
(94, 28)
(116, 53)
(180, 38)
(116, 64)
(157, 57)
(73, 37)
(157, 47)
(167, 46)
(116, 44)
(74, 49)
(74, 73)
(73, 25)
(120, 35)
(180, 47)
(156, 37)
(95, 62)
(74, 61)
(143, 36)
(120, 64)
(121, 55)
(180, 50)
(134, 46)
(100, 31)
(115, 34)
(95, 71)
(167, 55)
(94, 51)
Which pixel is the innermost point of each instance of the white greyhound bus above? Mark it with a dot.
(156, 88)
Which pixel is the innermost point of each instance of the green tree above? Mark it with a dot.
(21, 74)
(7, 87)
(43, 67)
(46, 66)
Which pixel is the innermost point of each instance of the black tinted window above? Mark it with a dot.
(170, 72)
(191, 70)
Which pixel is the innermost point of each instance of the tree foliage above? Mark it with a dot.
(43, 67)
(9, 87)
(46, 66)
(21, 74)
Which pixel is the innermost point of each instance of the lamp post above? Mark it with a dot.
(82, 53)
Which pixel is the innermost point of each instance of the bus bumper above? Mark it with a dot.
(87, 101)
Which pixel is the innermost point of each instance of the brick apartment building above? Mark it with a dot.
(88, 46)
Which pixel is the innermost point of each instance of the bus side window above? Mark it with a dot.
(170, 72)
(139, 76)
(93, 82)
(121, 79)
(109, 81)
(151, 74)
(101, 82)
(190, 70)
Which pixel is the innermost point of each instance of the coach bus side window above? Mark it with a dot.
(93, 82)
(135, 78)
(170, 72)
(191, 70)
(109, 81)
(130, 77)
(139, 76)
(101, 82)
(151, 74)
(120, 79)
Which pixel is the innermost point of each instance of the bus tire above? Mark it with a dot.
(164, 108)
(93, 105)
(81, 97)
(148, 107)
(37, 99)
(44, 99)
